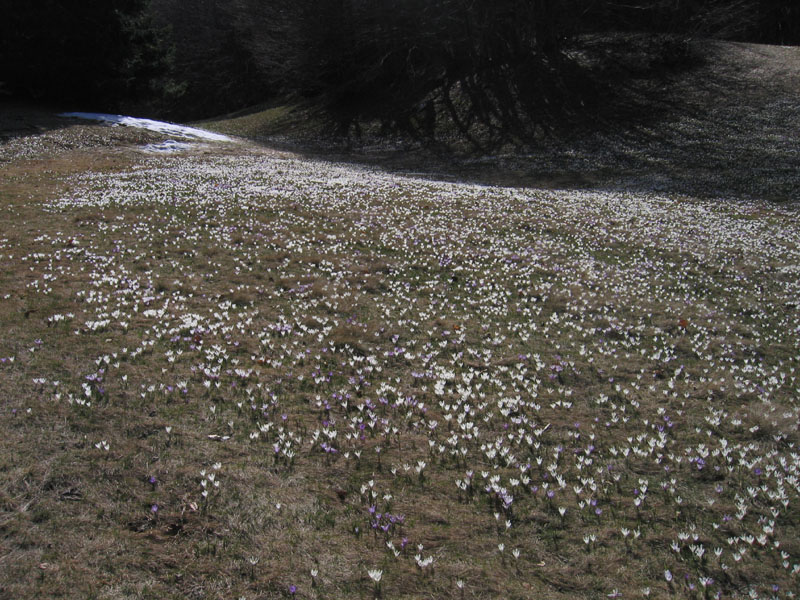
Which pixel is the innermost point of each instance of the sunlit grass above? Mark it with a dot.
(248, 376)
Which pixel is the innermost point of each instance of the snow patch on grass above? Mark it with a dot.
(159, 126)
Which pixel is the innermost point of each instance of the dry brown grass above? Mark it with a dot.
(311, 309)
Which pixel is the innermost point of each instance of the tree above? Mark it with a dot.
(775, 22)
(95, 52)
(496, 66)
(212, 61)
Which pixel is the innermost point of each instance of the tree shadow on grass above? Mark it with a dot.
(23, 120)
(728, 129)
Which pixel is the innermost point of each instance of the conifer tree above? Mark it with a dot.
(94, 52)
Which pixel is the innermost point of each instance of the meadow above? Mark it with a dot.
(232, 372)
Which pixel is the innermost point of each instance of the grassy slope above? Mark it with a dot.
(255, 123)
(240, 313)
(726, 128)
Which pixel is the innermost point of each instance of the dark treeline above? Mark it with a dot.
(757, 21)
(93, 53)
(490, 69)
(212, 62)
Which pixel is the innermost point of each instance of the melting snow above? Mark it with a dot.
(160, 126)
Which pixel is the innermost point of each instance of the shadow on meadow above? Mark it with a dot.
(725, 129)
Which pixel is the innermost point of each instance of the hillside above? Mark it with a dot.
(266, 368)
(727, 127)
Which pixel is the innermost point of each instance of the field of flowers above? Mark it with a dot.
(240, 374)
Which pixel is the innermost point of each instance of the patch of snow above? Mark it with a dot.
(167, 146)
(159, 126)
